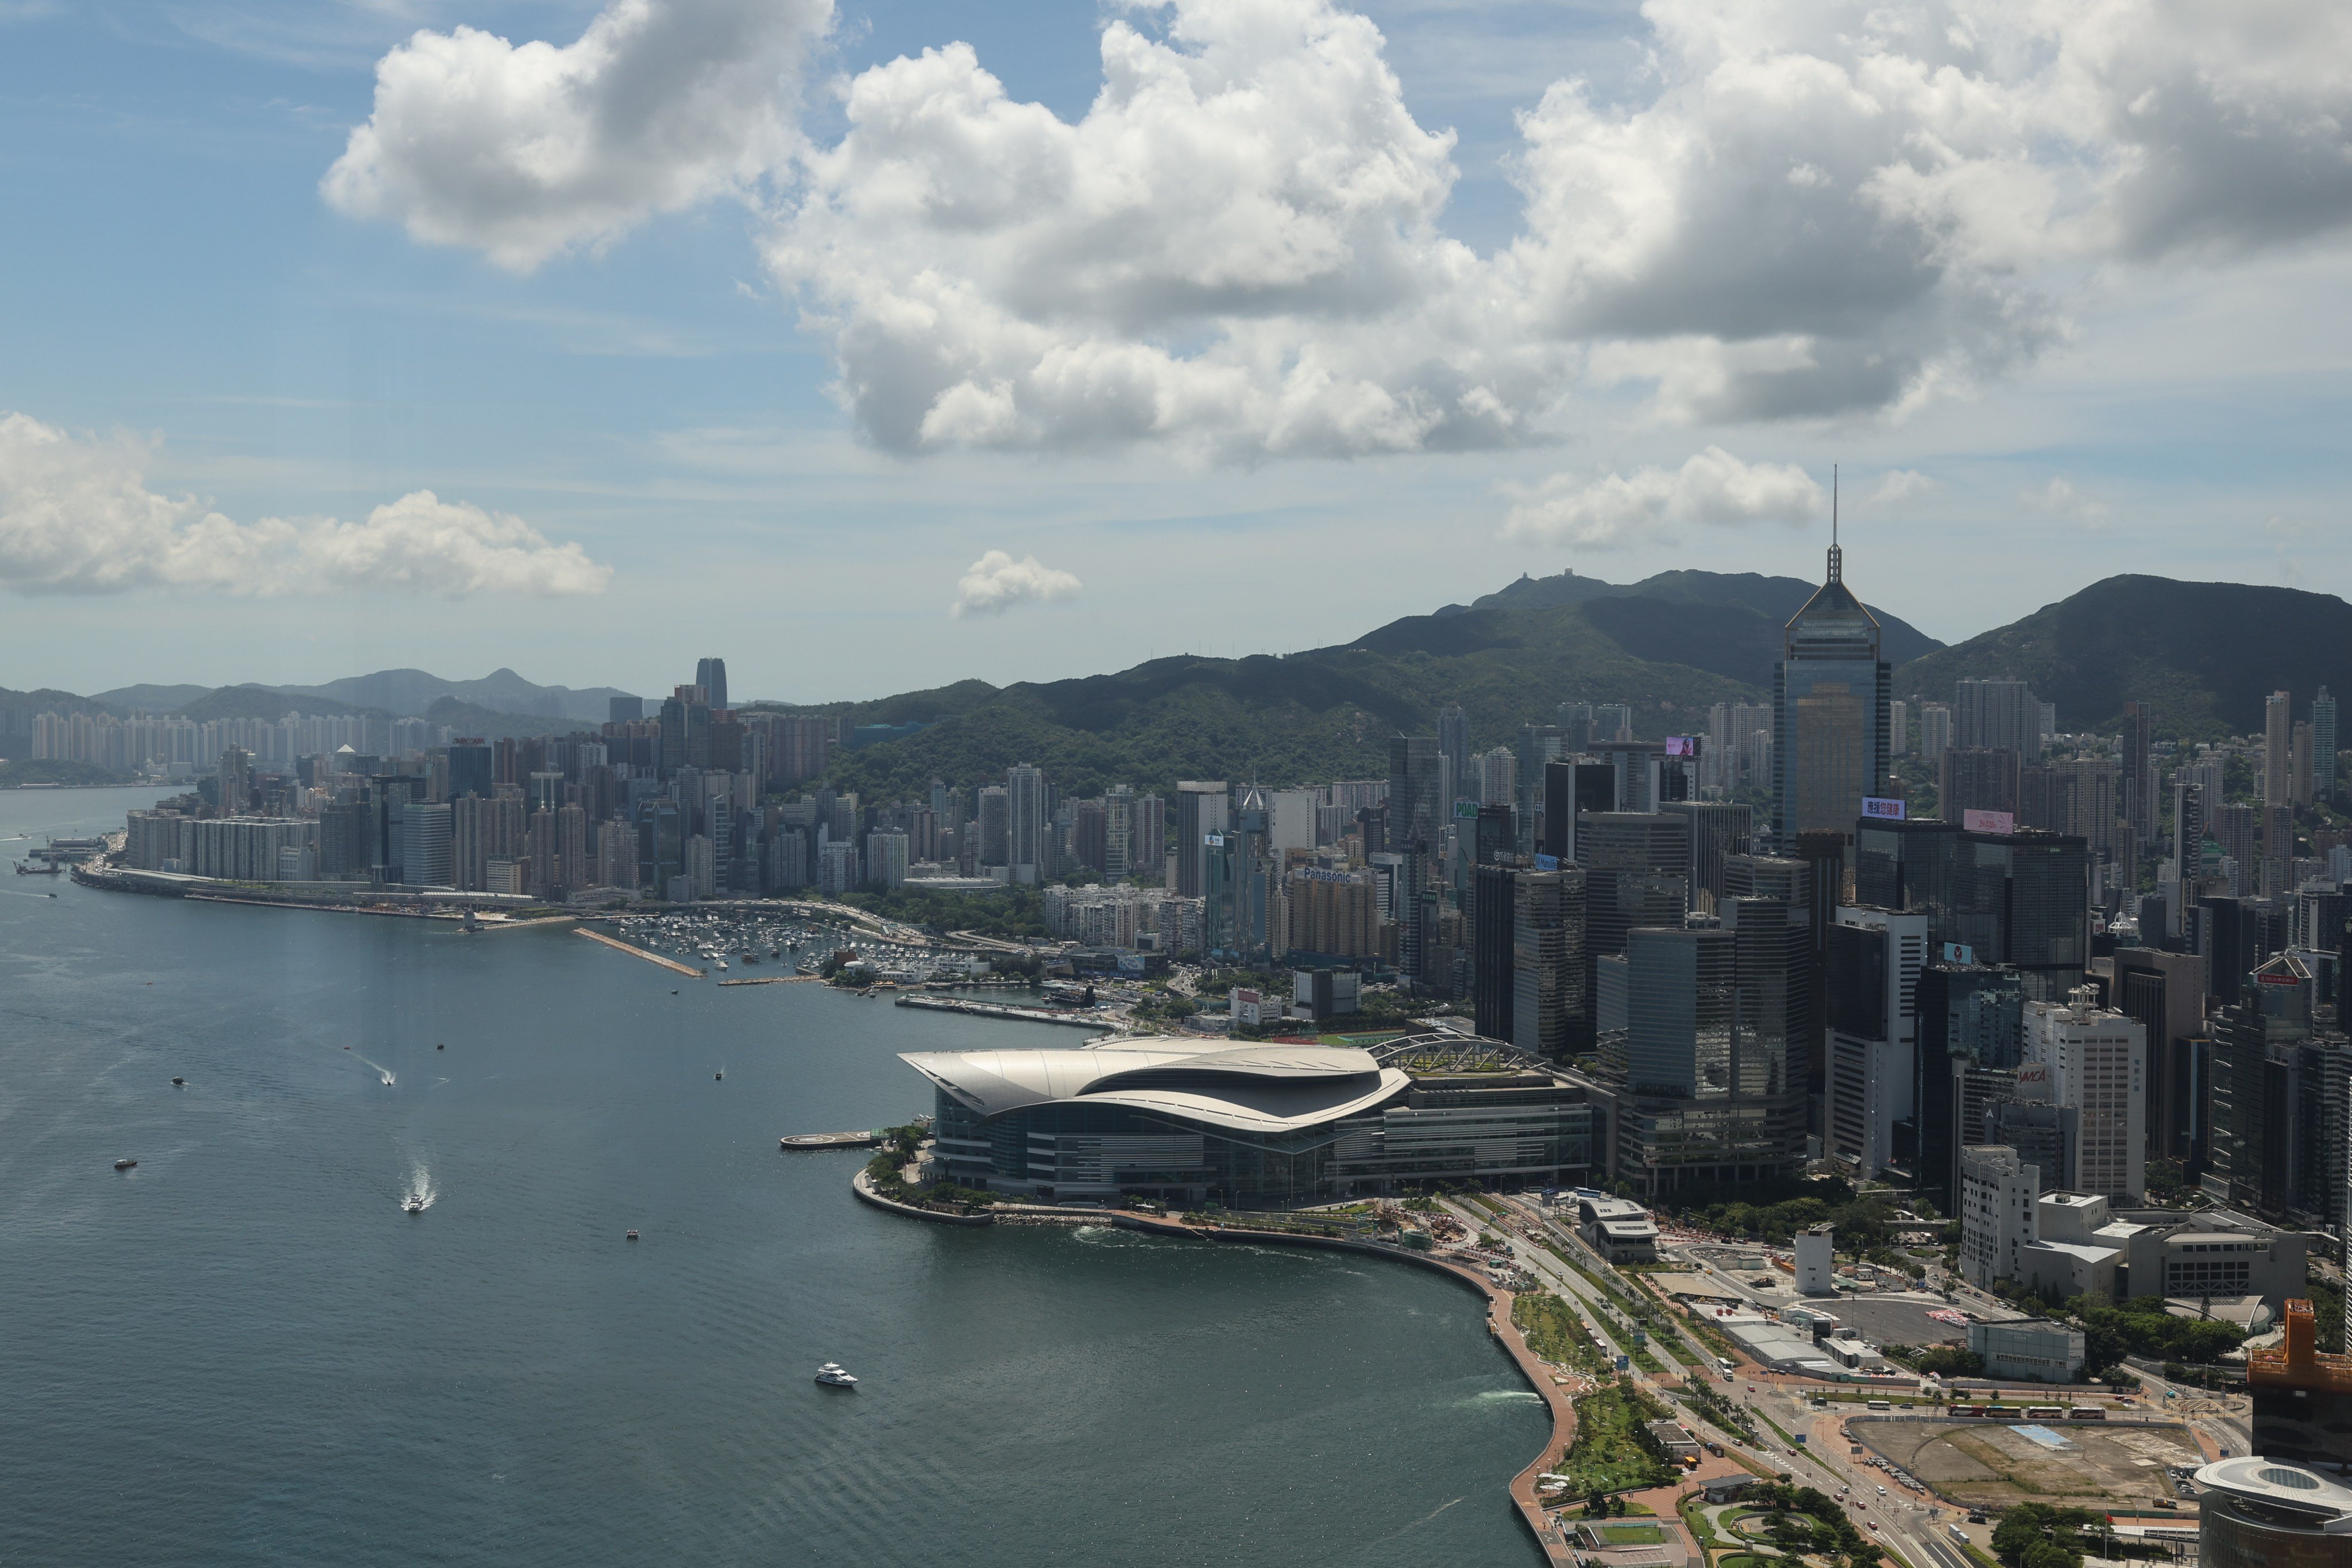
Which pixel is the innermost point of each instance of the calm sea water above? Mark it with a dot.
(243, 1351)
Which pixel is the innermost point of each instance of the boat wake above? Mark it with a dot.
(420, 1194)
(381, 1071)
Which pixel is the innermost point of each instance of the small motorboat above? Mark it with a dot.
(416, 1204)
(179, 1083)
(833, 1374)
(633, 1235)
(440, 1047)
(124, 1164)
(721, 1076)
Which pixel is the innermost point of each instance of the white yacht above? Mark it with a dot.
(833, 1376)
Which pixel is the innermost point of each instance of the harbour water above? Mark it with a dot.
(244, 1351)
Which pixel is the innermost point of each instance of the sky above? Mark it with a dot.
(875, 346)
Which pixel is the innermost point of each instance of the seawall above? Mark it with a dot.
(1498, 1324)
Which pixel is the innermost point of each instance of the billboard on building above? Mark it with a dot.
(2000, 822)
(1682, 745)
(1883, 807)
(1546, 862)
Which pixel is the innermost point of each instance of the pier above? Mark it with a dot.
(669, 963)
(829, 1141)
(777, 980)
(999, 1010)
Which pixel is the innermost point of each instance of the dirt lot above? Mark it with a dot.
(1984, 1465)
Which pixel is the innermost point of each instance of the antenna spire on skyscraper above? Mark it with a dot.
(1837, 556)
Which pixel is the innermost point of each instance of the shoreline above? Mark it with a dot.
(1550, 1539)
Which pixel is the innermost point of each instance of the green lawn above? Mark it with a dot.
(1612, 1453)
(1632, 1534)
(1555, 1333)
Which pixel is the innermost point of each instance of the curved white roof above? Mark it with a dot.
(1255, 1089)
(2328, 1503)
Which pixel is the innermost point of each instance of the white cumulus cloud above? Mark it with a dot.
(77, 517)
(525, 150)
(1712, 488)
(1810, 209)
(996, 581)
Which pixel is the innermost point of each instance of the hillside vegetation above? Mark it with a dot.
(2203, 654)
(1326, 714)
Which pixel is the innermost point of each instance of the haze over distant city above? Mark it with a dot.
(900, 343)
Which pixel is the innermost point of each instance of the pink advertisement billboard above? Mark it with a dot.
(2002, 822)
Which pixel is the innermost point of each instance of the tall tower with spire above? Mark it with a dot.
(1829, 712)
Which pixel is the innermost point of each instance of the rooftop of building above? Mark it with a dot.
(1252, 1088)
(2325, 1504)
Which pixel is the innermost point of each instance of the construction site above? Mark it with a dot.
(1982, 1464)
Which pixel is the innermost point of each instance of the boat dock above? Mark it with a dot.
(829, 1141)
(669, 963)
(777, 980)
(999, 1010)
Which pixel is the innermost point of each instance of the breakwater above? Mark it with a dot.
(631, 948)
(1003, 1010)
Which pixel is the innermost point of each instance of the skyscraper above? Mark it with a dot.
(1027, 846)
(1416, 815)
(1454, 745)
(2278, 720)
(1871, 990)
(1830, 697)
(1997, 715)
(2140, 807)
(1200, 811)
(2323, 746)
(710, 674)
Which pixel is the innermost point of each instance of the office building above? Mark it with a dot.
(1417, 814)
(1551, 1010)
(1453, 751)
(2166, 993)
(2034, 1349)
(624, 710)
(2097, 1062)
(1871, 982)
(1717, 831)
(424, 858)
(710, 674)
(1200, 811)
(1970, 1036)
(1494, 911)
(1830, 697)
(1998, 1218)
(1977, 779)
(1708, 1031)
(2280, 1087)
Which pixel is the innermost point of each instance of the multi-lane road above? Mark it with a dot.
(1912, 1526)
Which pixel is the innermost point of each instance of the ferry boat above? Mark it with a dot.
(833, 1376)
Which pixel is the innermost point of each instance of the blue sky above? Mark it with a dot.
(2117, 365)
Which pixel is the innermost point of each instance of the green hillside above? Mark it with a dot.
(2204, 653)
(1776, 599)
(1318, 715)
